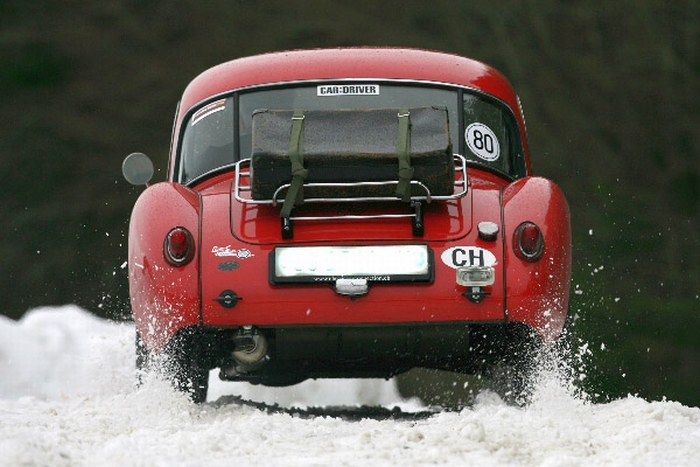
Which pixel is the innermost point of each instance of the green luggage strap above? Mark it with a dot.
(403, 149)
(295, 194)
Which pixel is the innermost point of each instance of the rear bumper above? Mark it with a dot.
(379, 351)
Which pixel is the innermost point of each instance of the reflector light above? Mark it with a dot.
(488, 230)
(178, 246)
(528, 242)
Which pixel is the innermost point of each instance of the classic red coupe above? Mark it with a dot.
(351, 212)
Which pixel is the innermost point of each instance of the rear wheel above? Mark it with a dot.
(515, 375)
(512, 378)
(186, 376)
(177, 364)
(143, 358)
(509, 357)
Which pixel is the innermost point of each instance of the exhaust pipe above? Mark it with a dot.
(250, 351)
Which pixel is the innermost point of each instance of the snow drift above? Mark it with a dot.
(67, 397)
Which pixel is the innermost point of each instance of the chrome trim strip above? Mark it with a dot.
(243, 170)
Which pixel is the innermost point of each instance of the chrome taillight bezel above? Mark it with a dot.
(528, 242)
(182, 253)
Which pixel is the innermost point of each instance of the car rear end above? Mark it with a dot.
(324, 249)
(354, 291)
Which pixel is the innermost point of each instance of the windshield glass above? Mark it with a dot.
(480, 128)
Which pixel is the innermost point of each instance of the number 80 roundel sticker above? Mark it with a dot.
(482, 141)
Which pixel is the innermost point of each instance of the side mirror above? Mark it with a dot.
(137, 169)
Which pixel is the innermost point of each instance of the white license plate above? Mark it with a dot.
(387, 263)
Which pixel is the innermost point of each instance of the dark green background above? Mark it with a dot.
(611, 92)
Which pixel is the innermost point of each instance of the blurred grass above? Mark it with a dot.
(643, 346)
(31, 65)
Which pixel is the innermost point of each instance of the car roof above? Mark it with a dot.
(358, 63)
(348, 63)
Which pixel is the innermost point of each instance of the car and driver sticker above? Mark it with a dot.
(461, 256)
(482, 141)
(333, 90)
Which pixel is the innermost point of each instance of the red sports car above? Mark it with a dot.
(352, 212)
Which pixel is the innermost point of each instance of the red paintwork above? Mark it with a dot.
(165, 298)
(440, 301)
(538, 293)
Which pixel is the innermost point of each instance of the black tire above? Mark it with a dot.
(189, 378)
(512, 380)
(143, 359)
(177, 365)
(513, 364)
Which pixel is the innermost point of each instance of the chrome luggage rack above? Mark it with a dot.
(242, 193)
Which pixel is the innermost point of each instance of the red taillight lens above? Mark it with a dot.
(178, 247)
(528, 242)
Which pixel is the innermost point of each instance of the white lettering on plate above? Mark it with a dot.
(482, 141)
(227, 251)
(329, 90)
(460, 256)
(367, 278)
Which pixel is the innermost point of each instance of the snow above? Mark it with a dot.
(67, 398)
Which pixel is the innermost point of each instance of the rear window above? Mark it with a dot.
(218, 134)
(208, 141)
(490, 136)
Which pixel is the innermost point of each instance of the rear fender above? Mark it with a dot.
(537, 292)
(164, 298)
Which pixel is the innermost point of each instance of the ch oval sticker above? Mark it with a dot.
(460, 256)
